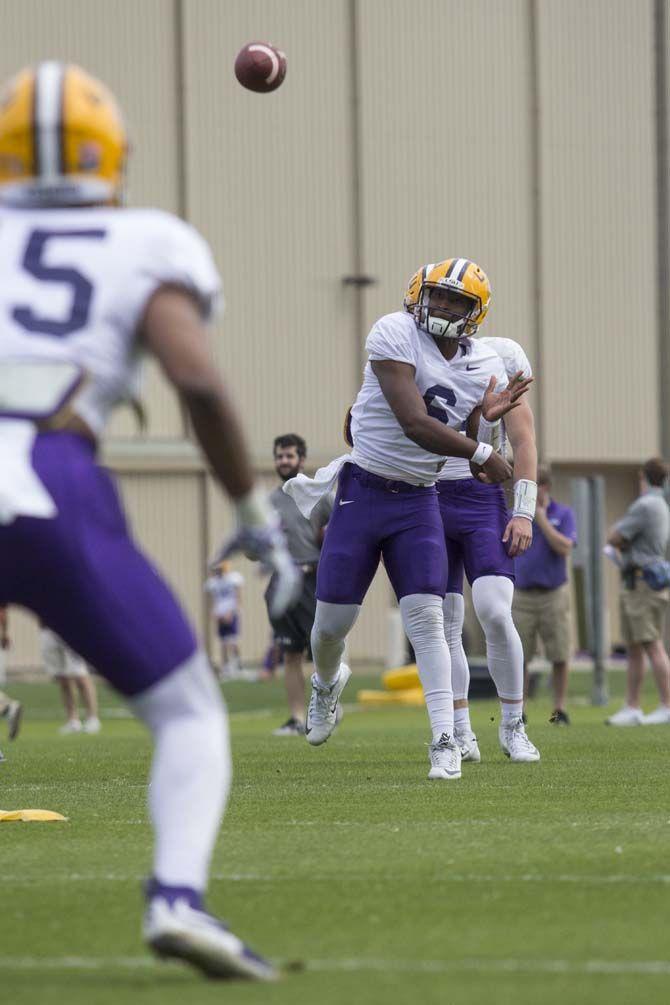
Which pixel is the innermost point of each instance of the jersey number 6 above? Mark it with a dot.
(447, 394)
(82, 290)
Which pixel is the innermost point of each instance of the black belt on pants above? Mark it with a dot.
(376, 481)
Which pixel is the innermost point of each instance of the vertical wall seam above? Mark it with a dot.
(662, 220)
(180, 130)
(536, 224)
(357, 291)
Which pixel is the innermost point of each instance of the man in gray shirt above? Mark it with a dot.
(303, 537)
(641, 537)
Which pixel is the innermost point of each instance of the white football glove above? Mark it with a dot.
(260, 537)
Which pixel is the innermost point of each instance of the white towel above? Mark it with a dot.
(307, 492)
(21, 491)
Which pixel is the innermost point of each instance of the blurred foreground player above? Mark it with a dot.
(419, 387)
(85, 288)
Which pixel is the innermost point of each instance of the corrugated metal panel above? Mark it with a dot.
(598, 202)
(166, 513)
(269, 185)
(131, 46)
(446, 149)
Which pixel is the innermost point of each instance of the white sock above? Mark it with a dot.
(332, 624)
(462, 718)
(453, 607)
(423, 621)
(510, 710)
(191, 770)
(492, 599)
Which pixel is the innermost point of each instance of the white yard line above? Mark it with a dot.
(640, 968)
(658, 879)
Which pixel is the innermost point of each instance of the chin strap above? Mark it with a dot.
(525, 498)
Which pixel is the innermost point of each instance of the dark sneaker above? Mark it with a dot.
(559, 717)
(292, 727)
(14, 713)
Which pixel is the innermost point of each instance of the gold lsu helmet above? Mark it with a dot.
(62, 139)
(459, 275)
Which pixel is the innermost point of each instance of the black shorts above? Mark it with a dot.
(293, 629)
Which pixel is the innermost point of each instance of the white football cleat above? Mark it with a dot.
(659, 717)
(445, 758)
(626, 716)
(467, 741)
(323, 711)
(515, 743)
(179, 931)
(71, 726)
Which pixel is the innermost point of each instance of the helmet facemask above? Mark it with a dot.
(446, 312)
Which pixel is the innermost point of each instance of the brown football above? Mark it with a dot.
(260, 66)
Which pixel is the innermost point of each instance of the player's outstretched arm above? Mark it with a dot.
(399, 388)
(520, 428)
(177, 336)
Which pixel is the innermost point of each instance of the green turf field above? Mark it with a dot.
(530, 883)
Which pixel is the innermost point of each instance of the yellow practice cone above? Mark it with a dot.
(401, 679)
(409, 696)
(29, 816)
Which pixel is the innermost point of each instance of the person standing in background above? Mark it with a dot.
(304, 538)
(224, 588)
(641, 537)
(541, 603)
(10, 709)
(70, 671)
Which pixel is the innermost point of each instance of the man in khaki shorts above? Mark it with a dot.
(9, 709)
(641, 537)
(70, 671)
(542, 595)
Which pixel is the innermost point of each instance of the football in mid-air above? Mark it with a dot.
(260, 66)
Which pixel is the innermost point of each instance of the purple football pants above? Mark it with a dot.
(474, 516)
(375, 518)
(84, 577)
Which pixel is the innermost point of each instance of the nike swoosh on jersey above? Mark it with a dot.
(468, 367)
(346, 502)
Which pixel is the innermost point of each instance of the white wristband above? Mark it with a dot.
(525, 498)
(490, 432)
(482, 453)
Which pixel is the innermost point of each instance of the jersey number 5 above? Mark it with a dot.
(82, 290)
(447, 394)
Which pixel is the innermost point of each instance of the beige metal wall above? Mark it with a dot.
(597, 187)
(269, 182)
(446, 149)
(519, 133)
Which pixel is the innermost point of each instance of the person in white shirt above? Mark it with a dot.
(420, 385)
(71, 674)
(483, 538)
(87, 290)
(225, 591)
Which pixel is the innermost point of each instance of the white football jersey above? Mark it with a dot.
(450, 388)
(74, 284)
(514, 359)
(223, 591)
